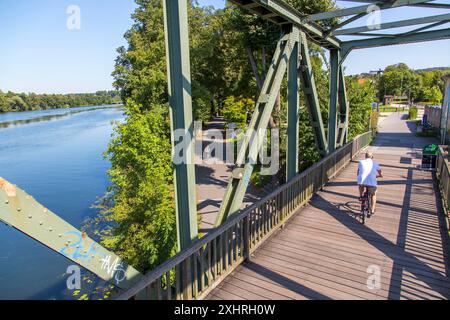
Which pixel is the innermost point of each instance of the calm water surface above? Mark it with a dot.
(56, 156)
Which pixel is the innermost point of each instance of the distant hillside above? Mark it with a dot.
(445, 69)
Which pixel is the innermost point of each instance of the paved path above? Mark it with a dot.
(212, 178)
(324, 252)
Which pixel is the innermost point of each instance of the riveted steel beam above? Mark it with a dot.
(362, 9)
(344, 109)
(395, 24)
(425, 36)
(338, 108)
(279, 12)
(180, 98)
(22, 212)
(252, 144)
(432, 5)
(309, 89)
(292, 155)
(333, 112)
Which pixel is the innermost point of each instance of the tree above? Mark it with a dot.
(360, 97)
(432, 95)
(143, 216)
(237, 111)
(399, 80)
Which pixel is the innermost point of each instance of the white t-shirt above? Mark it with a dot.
(367, 172)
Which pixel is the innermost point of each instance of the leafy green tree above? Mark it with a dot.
(143, 216)
(399, 80)
(25, 102)
(432, 95)
(237, 111)
(360, 97)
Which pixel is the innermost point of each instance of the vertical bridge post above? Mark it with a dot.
(338, 108)
(309, 89)
(332, 113)
(179, 81)
(293, 109)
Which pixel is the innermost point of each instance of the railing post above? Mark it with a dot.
(246, 226)
(187, 279)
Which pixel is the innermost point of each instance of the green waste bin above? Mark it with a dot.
(429, 156)
(431, 150)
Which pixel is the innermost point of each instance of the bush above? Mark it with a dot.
(413, 112)
(237, 111)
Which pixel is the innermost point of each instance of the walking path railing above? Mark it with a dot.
(194, 272)
(443, 176)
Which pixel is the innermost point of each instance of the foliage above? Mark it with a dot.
(432, 95)
(141, 177)
(418, 86)
(413, 112)
(360, 97)
(140, 203)
(11, 102)
(237, 111)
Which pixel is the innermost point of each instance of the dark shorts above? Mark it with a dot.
(371, 189)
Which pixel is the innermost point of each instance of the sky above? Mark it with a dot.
(45, 50)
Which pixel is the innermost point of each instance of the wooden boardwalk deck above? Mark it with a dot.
(324, 252)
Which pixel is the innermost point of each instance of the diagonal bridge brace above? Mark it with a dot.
(252, 142)
(22, 212)
(308, 84)
(339, 106)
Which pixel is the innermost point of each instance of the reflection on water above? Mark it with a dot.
(56, 156)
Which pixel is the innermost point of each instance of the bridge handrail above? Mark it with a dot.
(443, 175)
(194, 272)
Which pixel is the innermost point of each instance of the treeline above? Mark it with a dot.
(231, 52)
(423, 86)
(15, 102)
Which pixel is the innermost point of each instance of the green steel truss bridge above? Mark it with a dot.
(202, 264)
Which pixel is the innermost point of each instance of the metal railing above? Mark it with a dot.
(443, 175)
(194, 272)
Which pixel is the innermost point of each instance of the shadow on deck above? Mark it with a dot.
(324, 252)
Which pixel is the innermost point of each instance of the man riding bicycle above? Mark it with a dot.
(368, 172)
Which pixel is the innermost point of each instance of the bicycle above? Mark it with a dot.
(366, 205)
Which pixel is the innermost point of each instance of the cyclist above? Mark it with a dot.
(368, 172)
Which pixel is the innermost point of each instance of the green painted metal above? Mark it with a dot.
(388, 41)
(22, 212)
(430, 26)
(338, 108)
(279, 12)
(344, 109)
(395, 24)
(179, 79)
(423, 5)
(311, 98)
(362, 9)
(333, 112)
(432, 5)
(250, 148)
(346, 22)
(292, 160)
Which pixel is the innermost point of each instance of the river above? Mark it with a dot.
(56, 156)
